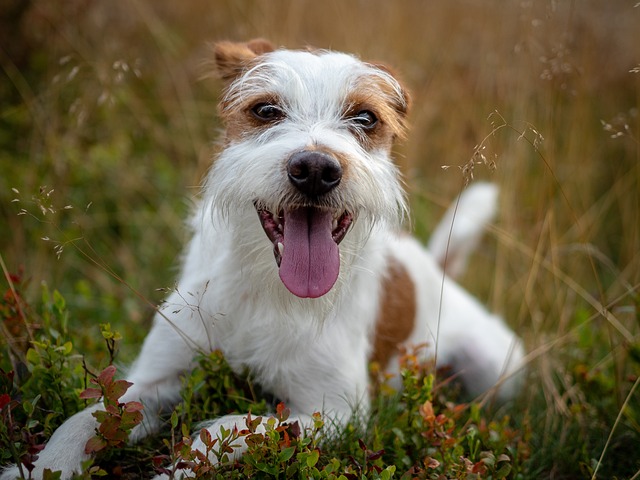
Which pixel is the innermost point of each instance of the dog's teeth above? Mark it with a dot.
(280, 247)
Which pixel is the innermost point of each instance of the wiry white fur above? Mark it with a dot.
(311, 353)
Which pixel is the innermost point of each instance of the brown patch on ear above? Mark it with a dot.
(233, 57)
(402, 107)
(397, 313)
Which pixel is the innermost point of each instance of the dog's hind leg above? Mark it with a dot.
(479, 347)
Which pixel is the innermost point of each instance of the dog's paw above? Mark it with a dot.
(10, 473)
(65, 450)
(224, 429)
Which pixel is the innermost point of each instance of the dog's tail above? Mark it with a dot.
(461, 228)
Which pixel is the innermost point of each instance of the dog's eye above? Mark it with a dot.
(365, 119)
(267, 112)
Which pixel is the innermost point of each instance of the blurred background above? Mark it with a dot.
(108, 123)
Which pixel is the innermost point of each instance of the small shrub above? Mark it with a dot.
(118, 419)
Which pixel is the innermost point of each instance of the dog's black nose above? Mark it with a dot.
(314, 173)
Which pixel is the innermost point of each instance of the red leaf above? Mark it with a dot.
(133, 407)
(282, 412)
(94, 444)
(375, 455)
(91, 393)
(431, 463)
(116, 389)
(5, 399)
(106, 376)
(253, 423)
(159, 460)
(426, 411)
(286, 441)
(294, 429)
(201, 457)
(205, 437)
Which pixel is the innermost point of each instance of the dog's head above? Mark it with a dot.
(307, 146)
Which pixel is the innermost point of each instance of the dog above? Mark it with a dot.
(298, 269)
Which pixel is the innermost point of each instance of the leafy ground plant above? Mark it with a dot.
(413, 433)
(117, 419)
(429, 439)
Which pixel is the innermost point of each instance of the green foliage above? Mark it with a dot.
(55, 371)
(426, 434)
(213, 390)
(415, 433)
(418, 432)
(50, 375)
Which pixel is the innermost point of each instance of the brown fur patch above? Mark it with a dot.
(388, 104)
(397, 313)
(240, 121)
(233, 57)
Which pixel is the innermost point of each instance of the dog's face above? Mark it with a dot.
(307, 144)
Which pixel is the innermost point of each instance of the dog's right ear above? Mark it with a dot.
(232, 57)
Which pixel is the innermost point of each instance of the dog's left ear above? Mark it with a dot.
(403, 98)
(233, 57)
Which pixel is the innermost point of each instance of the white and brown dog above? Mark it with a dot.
(297, 269)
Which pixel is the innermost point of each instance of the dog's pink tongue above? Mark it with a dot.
(310, 258)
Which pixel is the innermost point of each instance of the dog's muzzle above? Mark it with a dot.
(306, 238)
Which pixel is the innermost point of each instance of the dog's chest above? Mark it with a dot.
(274, 344)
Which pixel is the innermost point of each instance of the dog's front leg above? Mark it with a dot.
(167, 352)
(338, 392)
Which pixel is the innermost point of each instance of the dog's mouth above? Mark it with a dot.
(305, 245)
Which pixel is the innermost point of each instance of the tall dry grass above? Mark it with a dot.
(105, 103)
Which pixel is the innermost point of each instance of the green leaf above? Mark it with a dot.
(254, 439)
(399, 434)
(130, 419)
(270, 469)
(59, 301)
(66, 348)
(32, 356)
(47, 474)
(174, 420)
(28, 408)
(286, 454)
(388, 472)
(312, 459)
(503, 471)
(95, 470)
(100, 415)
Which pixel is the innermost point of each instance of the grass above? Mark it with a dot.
(104, 110)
